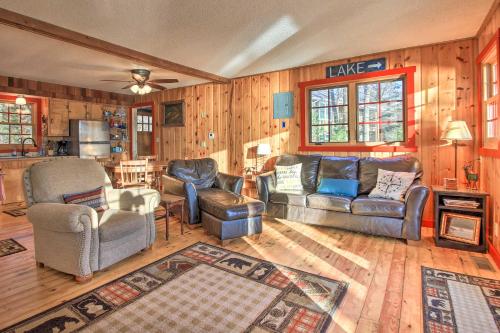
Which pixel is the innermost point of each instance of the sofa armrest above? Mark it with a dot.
(229, 182)
(266, 184)
(59, 217)
(172, 185)
(415, 200)
(140, 200)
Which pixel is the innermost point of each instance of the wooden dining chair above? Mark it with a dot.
(134, 173)
(148, 157)
(155, 179)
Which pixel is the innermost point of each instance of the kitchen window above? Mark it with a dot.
(16, 123)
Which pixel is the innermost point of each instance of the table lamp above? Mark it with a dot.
(455, 131)
(263, 149)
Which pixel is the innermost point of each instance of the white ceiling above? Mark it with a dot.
(225, 37)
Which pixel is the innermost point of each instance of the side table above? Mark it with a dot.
(170, 201)
(481, 213)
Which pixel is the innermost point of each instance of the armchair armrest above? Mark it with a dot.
(141, 200)
(415, 200)
(229, 182)
(266, 184)
(62, 217)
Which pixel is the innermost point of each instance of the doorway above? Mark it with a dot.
(142, 131)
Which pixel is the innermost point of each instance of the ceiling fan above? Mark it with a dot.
(141, 84)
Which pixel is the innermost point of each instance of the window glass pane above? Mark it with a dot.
(339, 115)
(26, 109)
(319, 134)
(139, 127)
(148, 128)
(139, 119)
(4, 117)
(4, 139)
(319, 116)
(392, 132)
(15, 129)
(391, 90)
(319, 98)
(26, 118)
(392, 111)
(4, 107)
(338, 96)
(15, 139)
(368, 133)
(27, 130)
(368, 92)
(14, 118)
(4, 129)
(339, 133)
(150, 119)
(367, 112)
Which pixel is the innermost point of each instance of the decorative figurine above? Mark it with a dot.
(471, 176)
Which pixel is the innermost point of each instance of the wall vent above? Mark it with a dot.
(483, 263)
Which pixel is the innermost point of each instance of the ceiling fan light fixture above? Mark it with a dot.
(147, 88)
(135, 89)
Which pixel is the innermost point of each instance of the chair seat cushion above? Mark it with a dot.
(115, 224)
(364, 205)
(227, 205)
(329, 202)
(294, 198)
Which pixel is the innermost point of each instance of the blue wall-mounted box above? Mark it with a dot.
(283, 105)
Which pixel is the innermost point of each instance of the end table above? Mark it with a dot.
(169, 201)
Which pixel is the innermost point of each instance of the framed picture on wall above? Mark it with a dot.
(461, 228)
(173, 114)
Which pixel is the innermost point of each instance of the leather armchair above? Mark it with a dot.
(187, 177)
(75, 239)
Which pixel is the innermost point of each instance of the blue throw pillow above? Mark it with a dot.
(344, 187)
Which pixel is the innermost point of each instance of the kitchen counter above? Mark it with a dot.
(13, 167)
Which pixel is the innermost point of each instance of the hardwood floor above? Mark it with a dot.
(384, 274)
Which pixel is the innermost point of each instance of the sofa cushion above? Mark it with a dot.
(368, 169)
(310, 165)
(392, 185)
(338, 167)
(329, 202)
(288, 178)
(116, 224)
(227, 205)
(201, 172)
(345, 187)
(364, 205)
(94, 198)
(295, 198)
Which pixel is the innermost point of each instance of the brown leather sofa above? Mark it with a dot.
(399, 219)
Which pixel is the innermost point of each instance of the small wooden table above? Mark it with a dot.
(169, 201)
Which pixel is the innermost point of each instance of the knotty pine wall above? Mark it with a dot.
(240, 113)
(490, 166)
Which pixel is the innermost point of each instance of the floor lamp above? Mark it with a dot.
(455, 131)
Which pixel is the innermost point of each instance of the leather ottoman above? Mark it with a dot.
(228, 215)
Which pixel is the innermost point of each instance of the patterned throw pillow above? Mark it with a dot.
(392, 185)
(288, 178)
(94, 198)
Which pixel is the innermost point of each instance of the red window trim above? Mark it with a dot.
(409, 145)
(495, 41)
(38, 130)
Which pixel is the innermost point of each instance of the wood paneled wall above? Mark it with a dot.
(240, 113)
(44, 89)
(490, 166)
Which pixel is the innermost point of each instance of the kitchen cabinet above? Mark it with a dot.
(95, 112)
(58, 118)
(77, 110)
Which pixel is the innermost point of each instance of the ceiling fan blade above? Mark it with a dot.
(164, 81)
(116, 81)
(156, 86)
(129, 85)
(139, 78)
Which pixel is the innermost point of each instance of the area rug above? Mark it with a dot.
(456, 302)
(201, 288)
(15, 212)
(10, 246)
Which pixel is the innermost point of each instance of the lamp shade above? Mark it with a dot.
(264, 149)
(456, 130)
(20, 100)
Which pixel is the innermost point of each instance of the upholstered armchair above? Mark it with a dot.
(191, 178)
(74, 238)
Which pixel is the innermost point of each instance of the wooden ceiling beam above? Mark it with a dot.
(27, 23)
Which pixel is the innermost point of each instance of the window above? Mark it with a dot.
(362, 112)
(144, 123)
(488, 70)
(329, 115)
(16, 122)
(380, 111)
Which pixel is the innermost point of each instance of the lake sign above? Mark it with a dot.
(358, 67)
